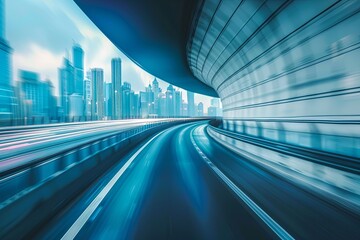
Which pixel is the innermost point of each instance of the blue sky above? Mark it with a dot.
(41, 32)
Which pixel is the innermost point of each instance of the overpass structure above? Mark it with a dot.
(284, 70)
(282, 163)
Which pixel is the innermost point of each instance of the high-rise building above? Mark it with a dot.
(150, 100)
(109, 100)
(162, 105)
(126, 90)
(215, 102)
(178, 103)
(200, 109)
(184, 109)
(156, 90)
(116, 83)
(76, 106)
(97, 87)
(134, 105)
(78, 62)
(215, 107)
(37, 96)
(2, 19)
(87, 96)
(7, 98)
(30, 87)
(66, 82)
(49, 100)
(170, 101)
(191, 104)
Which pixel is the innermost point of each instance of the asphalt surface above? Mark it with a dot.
(167, 191)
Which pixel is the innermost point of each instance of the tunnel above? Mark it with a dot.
(284, 70)
(281, 162)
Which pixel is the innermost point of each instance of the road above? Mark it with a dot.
(183, 185)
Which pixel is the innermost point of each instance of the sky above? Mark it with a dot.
(42, 32)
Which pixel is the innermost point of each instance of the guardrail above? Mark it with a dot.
(33, 192)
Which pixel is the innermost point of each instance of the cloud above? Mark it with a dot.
(38, 59)
(34, 21)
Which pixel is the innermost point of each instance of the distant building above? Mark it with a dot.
(97, 85)
(30, 87)
(215, 102)
(76, 107)
(144, 105)
(162, 105)
(215, 107)
(191, 104)
(170, 101)
(78, 61)
(212, 111)
(117, 92)
(184, 109)
(87, 97)
(156, 90)
(109, 100)
(134, 105)
(37, 96)
(178, 103)
(7, 97)
(66, 84)
(126, 90)
(150, 100)
(200, 109)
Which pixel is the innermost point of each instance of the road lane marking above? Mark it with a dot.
(274, 226)
(84, 217)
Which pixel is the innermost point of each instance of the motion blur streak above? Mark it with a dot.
(170, 192)
(76, 227)
(283, 67)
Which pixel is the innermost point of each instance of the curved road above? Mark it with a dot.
(183, 185)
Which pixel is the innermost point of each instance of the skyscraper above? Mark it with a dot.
(170, 101)
(30, 86)
(2, 19)
(87, 96)
(156, 91)
(66, 82)
(191, 104)
(108, 100)
(6, 90)
(78, 61)
(37, 95)
(97, 103)
(126, 90)
(178, 103)
(116, 83)
(200, 109)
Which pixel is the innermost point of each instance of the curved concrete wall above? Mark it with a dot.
(278, 66)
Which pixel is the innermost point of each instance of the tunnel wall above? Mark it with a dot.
(285, 70)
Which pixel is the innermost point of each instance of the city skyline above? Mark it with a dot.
(33, 53)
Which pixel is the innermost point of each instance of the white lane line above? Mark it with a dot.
(274, 226)
(84, 217)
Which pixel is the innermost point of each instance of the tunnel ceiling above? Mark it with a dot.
(154, 34)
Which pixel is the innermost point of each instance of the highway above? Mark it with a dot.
(181, 184)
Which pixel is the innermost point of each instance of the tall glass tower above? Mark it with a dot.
(117, 90)
(97, 105)
(7, 100)
(191, 104)
(78, 61)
